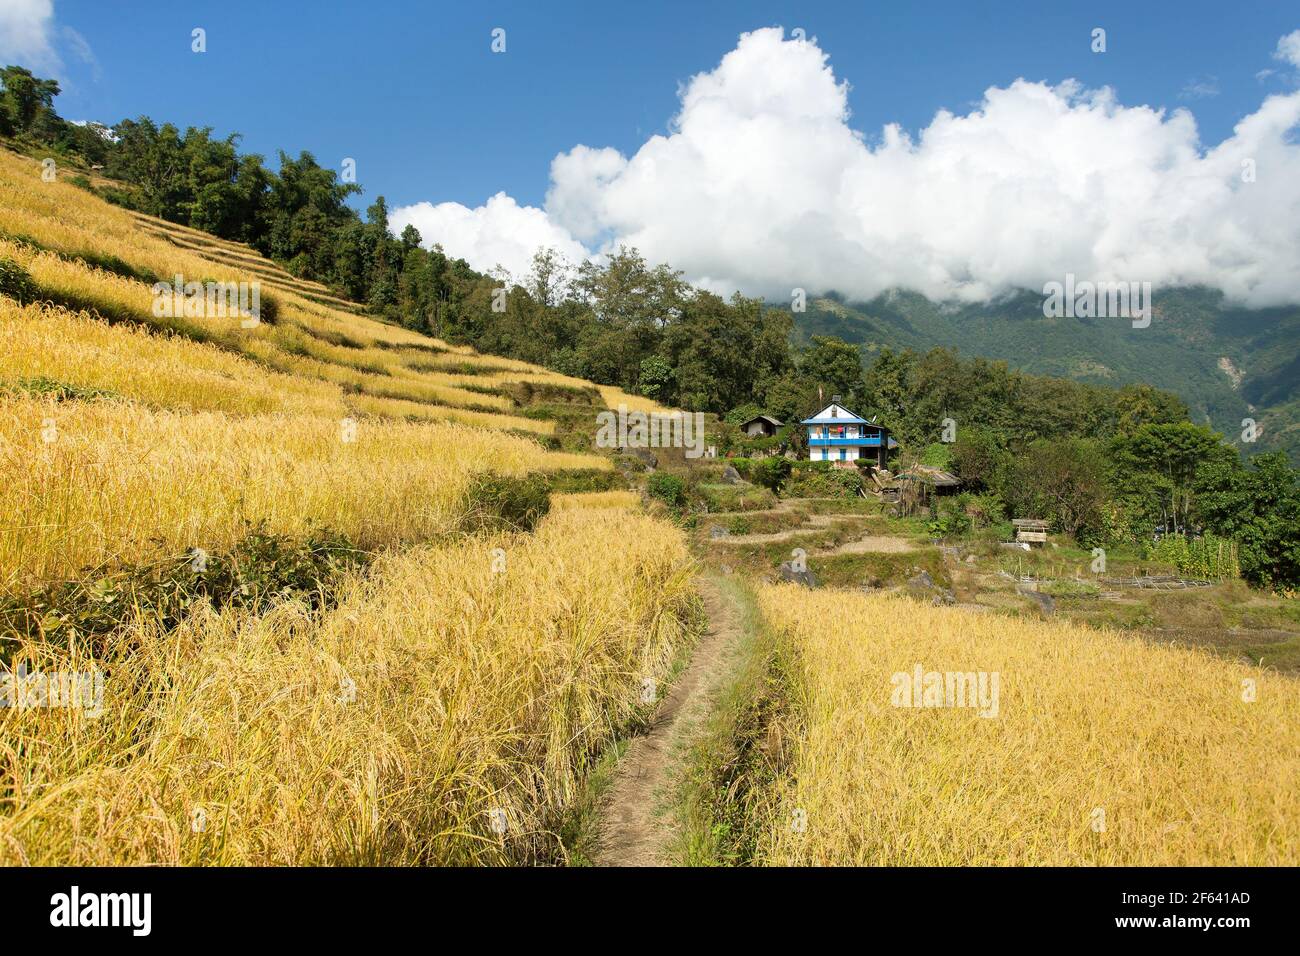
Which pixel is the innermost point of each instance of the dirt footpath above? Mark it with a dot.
(636, 828)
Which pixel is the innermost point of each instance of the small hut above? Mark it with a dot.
(760, 426)
(914, 488)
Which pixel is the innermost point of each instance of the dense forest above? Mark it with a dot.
(1105, 464)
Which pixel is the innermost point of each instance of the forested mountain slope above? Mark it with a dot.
(1227, 363)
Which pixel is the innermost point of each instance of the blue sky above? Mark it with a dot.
(930, 146)
(413, 92)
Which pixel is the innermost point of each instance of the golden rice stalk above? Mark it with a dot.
(1105, 750)
(455, 692)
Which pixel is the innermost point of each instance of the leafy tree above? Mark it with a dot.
(1154, 470)
(26, 100)
(1259, 507)
(712, 348)
(836, 365)
(656, 379)
(1061, 481)
(978, 457)
(888, 386)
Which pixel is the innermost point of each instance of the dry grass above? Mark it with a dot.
(311, 338)
(474, 692)
(116, 479)
(614, 397)
(1157, 738)
(624, 500)
(162, 371)
(419, 411)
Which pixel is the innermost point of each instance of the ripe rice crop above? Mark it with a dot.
(85, 482)
(1105, 750)
(445, 711)
(626, 500)
(162, 371)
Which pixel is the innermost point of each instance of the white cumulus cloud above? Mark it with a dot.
(500, 233)
(763, 185)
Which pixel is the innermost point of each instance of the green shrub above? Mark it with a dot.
(771, 472)
(742, 413)
(500, 502)
(16, 282)
(985, 510)
(261, 569)
(668, 488)
(825, 482)
(937, 455)
(572, 480)
(744, 467)
(950, 520)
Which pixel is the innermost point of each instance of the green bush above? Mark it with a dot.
(937, 455)
(261, 569)
(499, 502)
(950, 520)
(744, 467)
(771, 472)
(764, 443)
(667, 488)
(742, 413)
(984, 510)
(824, 482)
(16, 282)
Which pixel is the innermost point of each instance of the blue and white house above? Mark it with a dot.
(837, 435)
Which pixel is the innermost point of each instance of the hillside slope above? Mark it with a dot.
(299, 580)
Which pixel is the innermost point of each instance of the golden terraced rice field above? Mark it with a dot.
(441, 704)
(438, 697)
(1104, 750)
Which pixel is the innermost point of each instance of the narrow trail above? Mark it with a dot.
(636, 830)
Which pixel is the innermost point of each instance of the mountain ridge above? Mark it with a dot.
(1193, 335)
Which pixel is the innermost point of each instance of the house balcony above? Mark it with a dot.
(869, 441)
